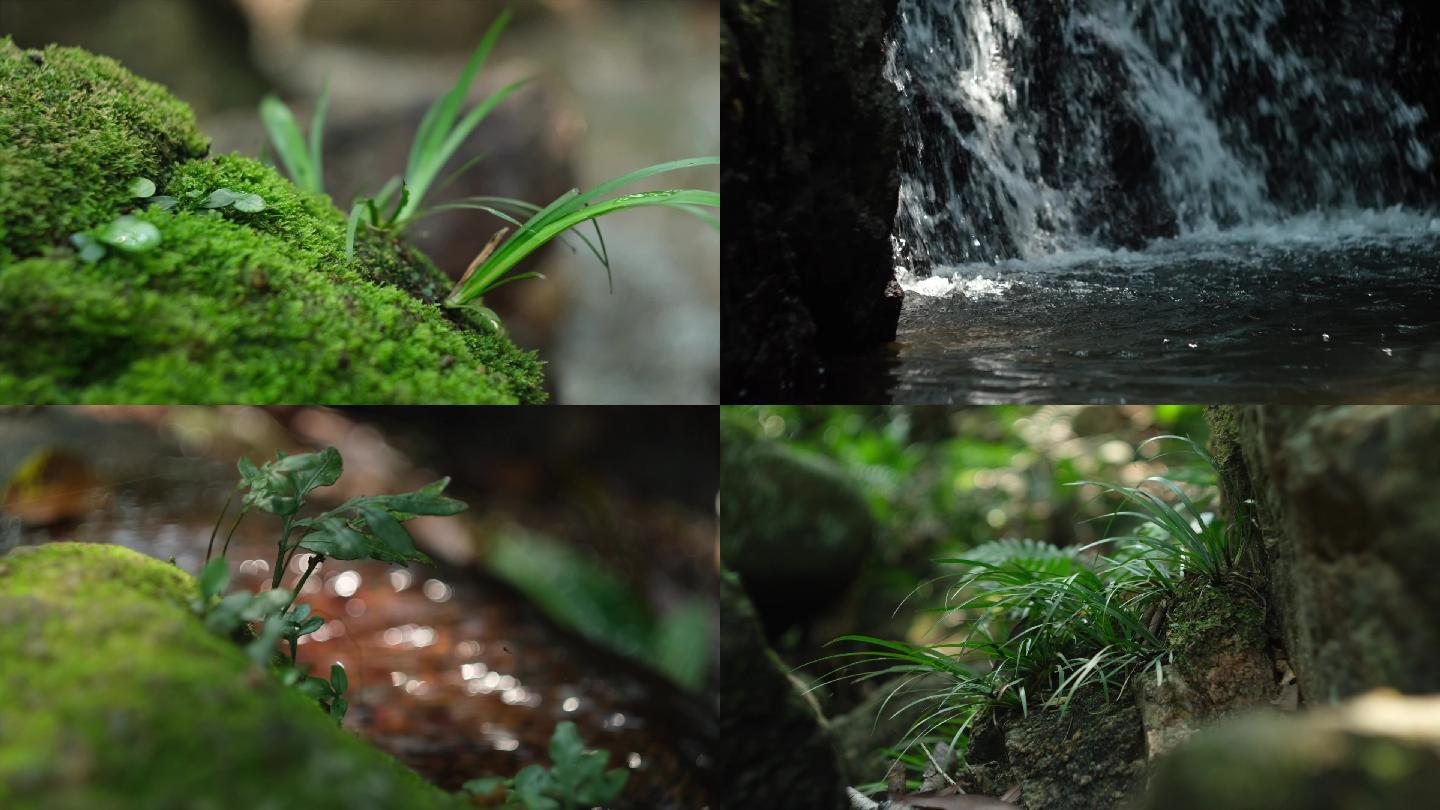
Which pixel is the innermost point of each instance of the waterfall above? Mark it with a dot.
(1035, 127)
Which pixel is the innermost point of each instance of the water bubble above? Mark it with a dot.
(346, 583)
(437, 591)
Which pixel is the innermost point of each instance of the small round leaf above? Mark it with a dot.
(219, 198)
(130, 235)
(249, 203)
(141, 187)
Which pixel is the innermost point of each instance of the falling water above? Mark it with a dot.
(1039, 128)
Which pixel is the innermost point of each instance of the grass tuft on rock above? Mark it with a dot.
(230, 306)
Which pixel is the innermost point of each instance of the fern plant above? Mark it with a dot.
(1047, 621)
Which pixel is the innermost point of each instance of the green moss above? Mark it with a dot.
(117, 697)
(74, 128)
(1093, 755)
(1206, 618)
(228, 313)
(230, 308)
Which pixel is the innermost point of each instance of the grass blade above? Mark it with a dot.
(289, 144)
(317, 138)
(570, 209)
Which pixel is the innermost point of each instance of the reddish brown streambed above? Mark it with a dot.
(455, 673)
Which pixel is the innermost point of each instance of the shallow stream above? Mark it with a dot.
(454, 672)
(1235, 319)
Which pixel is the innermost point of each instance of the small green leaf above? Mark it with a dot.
(424, 501)
(314, 623)
(313, 469)
(533, 784)
(489, 318)
(338, 709)
(565, 744)
(130, 235)
(339, 679)
(249, 203)
(485, 786)
(262, 649)
(334, 538)
(214, 578)
(390, 533)
(219, 198)
(314, 688)
(264, 606)
(91, 251)
(141, 187)
(163, 202)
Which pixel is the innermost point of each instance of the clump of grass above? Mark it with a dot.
(1042, 622)
(400, 201)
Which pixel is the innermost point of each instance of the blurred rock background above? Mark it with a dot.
(620, 84)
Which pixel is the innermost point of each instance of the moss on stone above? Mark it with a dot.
(117, 697)
(74, 128)
(231, 307)
(1207, 616)
(224, 312)
(1093, 755)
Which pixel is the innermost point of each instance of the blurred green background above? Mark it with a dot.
(935, 481)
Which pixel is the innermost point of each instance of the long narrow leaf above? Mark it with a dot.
(317, 139)
(289, 143)
(547, 224)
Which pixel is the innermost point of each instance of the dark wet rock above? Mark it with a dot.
(1348, 519)
(811, 136)
(1415, 63)
(1378, 751)
(774, 749)
(1092, 756)
(796, 527)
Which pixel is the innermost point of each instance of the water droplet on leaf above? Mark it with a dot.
(130, 234)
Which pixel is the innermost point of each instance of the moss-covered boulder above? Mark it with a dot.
(256, 307)
(116, 696)
(797, 528)
(1221, 664)
(1091, 756)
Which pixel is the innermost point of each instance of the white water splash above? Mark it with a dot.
(1253, 129)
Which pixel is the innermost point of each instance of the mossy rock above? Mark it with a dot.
(1090, 756)
(116, 696)
(230, 308)
(797, 528)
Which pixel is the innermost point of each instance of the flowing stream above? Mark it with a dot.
(454, 672)
(1201, 200)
